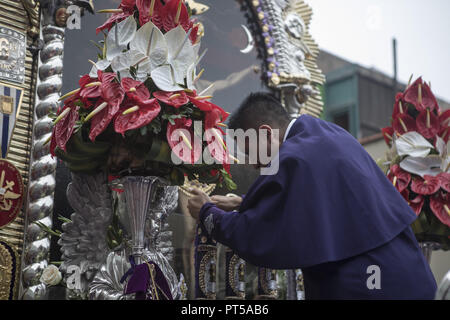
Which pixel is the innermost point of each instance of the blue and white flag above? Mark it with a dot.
(10, 100)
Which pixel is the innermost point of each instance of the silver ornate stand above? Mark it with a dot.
(43, 167)
(142, 209)
(428, 248)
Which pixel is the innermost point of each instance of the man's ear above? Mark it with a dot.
(268, 128)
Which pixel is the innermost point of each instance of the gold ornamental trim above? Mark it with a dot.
(9, 271)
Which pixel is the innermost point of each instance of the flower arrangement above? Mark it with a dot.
(418, 162)
(139, 102)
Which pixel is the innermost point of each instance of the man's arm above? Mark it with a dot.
(255, 234)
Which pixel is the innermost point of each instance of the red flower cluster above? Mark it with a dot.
(107, 100)
(129, 106)
(417, 109)
(214, 115)
(165, 17)
(436, 188)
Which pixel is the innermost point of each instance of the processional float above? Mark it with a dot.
(117, 244)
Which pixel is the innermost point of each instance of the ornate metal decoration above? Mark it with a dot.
(11, 192)
(83, 242)
(235, 276)
(290, 53)
(443, 292)
(267, 284)
(12, 55)
(43, 166)
(9, 271)
(205, 265)
(156, 242)
(32, 9)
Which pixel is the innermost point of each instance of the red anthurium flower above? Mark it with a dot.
(388, 132)
(175, 13)
(399, 106)
(417, 204)
(404, 123)
(427, 186)
(405, 194)
(112, 95)
(214, 117)
(180, 137)
(440, 205)
(419, 94)
(63, 129)
(202, 104)
(157, 15)
(400, 178)
(444, 118)
(444, 133)
(207, 106)
(427, 124)
(127, 7)
(216, 145)
(444, 177)
(145, 111)
(89, 92)
(174, 99)
(135, 90)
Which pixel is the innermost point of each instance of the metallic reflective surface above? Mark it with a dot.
(42, 168)
(147, 237)
(83, 242)
(443, 292)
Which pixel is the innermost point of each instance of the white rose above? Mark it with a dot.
(51, 276)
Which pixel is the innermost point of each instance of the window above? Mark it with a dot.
(342, 120)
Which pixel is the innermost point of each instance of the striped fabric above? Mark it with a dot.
(8, 120)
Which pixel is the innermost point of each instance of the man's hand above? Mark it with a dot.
(227, 203)
(196, 202)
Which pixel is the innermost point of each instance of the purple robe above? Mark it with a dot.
(331, 211)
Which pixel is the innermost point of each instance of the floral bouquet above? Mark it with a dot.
(138, 110)
(418, 161)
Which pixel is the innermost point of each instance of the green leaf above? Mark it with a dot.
(63, 219)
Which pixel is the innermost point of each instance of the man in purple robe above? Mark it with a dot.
(329, 210)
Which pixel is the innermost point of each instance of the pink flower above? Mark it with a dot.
(180, 137)
(444, 178)
(404, 123)
(399, 178)
(427, 186)
(419, 94)
(427, 124)
(440, 205)
(174, 99)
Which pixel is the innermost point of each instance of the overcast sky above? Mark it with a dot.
(362, 31)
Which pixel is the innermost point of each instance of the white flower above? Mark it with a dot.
(51, 276)
(170, 59)
(413, 144)
(181, 61)
(430, 165)
(116, 42)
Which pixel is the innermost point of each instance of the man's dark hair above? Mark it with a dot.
(257, 109)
